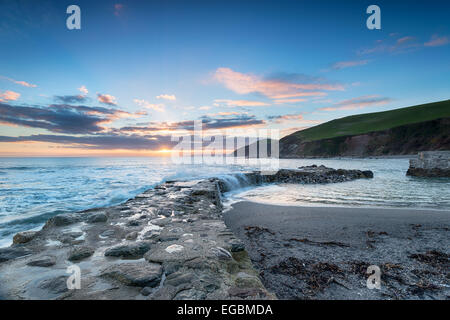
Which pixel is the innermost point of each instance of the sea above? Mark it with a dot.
(32, 190)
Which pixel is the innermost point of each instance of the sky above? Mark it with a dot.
(139, 72)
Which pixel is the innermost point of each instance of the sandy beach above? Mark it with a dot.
(324, 252)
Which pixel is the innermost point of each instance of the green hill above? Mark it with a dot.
(371, 122)
(402, 131)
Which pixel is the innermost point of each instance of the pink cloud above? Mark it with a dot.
(143, 103)
(347, 64)
(248, 83)
(118, 9)
(167, 97)
(22, 83)
(282, 101)
(9, 96)
(405, 39)
(436, 41)
(107, 99)
(359, 103)
(239, 103)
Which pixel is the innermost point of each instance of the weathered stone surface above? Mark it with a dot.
(139, 274)
(45, 261)
(129, 251)
(13, 253)
(99, 217)
(62, 220)
(80, 252)
(24, 237)
(430, 164)
(56, 285)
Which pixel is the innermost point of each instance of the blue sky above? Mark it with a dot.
(148, 68)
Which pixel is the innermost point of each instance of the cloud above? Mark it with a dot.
(143, 103)
(401, 45)
(405, 39)
(106, 99)
(71, 99)
(298, 118)
(347, 64)
(101, 141)
(358, 103)
(209, 122)
(282, 101)
(9, 96)
(167, 97)
(118, 7)
(239, 103)
(83, 90)
(280, 84)
(436, 41)
(60, 118)
(22, 83)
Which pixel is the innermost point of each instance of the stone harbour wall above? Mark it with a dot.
(169, 242)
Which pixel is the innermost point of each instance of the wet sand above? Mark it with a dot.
(324, 252)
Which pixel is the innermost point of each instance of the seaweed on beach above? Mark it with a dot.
(255, 231)
(319, 243)
(433, 258)
(317, 275)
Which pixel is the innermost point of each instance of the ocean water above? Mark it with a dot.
(34, 189)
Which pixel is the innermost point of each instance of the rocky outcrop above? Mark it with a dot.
(169, 242)
(430, 164)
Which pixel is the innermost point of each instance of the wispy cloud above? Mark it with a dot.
(106, 99)
(143, 103)
(347, 64)
(22, 83)
(437, 41)
(280, 84)
(359, 103)
(9, 96)
(167, 97)
(239, 103)
(118, 7)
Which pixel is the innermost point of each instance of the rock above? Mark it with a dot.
(107, 233)
(80, 253)
(132, 235)
(45, 261)
(98, 217)
(24, 237)
(244, 280)
(139, 274)
(167, 292)
(367, 173)
(221, 253)
(146, 291)
(56, 285)
(180, 277)
(62, 220)
(190, 294)
(430, 164)
(245, 292)
(12, 253)
(129, 251)
(237, 246)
